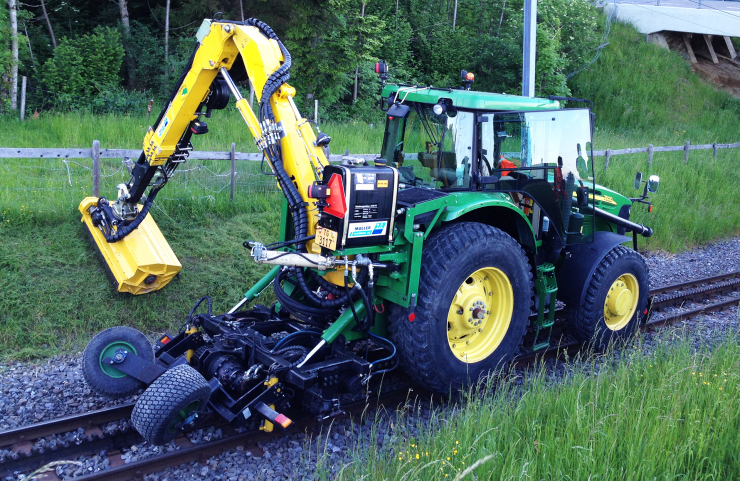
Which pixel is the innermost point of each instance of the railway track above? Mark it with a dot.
(108, 430)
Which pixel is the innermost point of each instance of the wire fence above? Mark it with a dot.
(31, 176)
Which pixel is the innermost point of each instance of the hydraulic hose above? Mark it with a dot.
(127, 229)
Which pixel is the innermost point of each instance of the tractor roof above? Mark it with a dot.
(469, 99)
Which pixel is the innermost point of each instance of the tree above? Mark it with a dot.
(130, 64)
(13, 7)
(48, 25)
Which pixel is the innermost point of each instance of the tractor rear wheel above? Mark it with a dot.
(475, 295)
(105, 379)
(615, 300)
(169, 402)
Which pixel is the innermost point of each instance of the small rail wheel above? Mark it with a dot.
(475, 295)
(169, 403)
(105, 379)
(615, 300)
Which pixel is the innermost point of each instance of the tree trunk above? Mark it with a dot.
(166, 30)
(13, 7)
(48, 25)
(241, 8)
(454, 17)
(357, 69)
(130, 64)
(33, 62)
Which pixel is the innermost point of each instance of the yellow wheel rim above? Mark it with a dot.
(621, 302)
(480, 314)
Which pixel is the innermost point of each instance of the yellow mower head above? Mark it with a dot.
(141, 262)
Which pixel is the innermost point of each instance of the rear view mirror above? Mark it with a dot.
(582, 196)
(653, 183)
(638, 180)
(398, 110)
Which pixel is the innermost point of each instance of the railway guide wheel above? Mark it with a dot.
(475, 295)
(614, 302)
(170, 404)
(105, 379)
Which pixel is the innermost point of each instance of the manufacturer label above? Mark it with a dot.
(165, 123)
(367, 229)
(365, 181)
(365, 211)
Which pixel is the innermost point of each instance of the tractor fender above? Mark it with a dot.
(580, 263)
(497, 213)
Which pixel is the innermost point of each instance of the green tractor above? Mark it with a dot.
(480, 211)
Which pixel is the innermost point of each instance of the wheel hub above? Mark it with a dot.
(621, 302)
(480, 314)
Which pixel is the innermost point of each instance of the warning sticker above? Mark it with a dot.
(367, 229)
(382, 183)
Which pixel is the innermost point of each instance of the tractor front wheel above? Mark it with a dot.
(615, 300)
(475, 295)
(105, 379)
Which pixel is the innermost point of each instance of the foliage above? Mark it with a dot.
(86, 65)
(329, 40)
(667, 410)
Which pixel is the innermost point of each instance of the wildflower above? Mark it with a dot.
(417, 455)
(457, 442)
(693, 373)
(454, 452)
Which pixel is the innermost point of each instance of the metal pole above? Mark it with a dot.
(316, 111)
(530, 46)
(23, 97)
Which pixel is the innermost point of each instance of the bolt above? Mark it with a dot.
(467, 342)
(459, 311)
(479, 330)
(454, 345)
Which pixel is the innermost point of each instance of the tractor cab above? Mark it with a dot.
(530, 152)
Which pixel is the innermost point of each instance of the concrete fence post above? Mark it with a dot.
(23, 98)
(96, 168)
(316, 111)
(233, 169)
(714, 147)
(608, 156)
(650, 155)
(686, 152)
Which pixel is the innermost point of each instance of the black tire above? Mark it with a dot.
(167, 402)
(587, 322)
(451, 256)
(104, 379)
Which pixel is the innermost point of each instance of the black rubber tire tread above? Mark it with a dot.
(163, 400)
(100, 382)
(449, 257)
(586, 322)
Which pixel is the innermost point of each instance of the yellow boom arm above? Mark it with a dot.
(132, 246)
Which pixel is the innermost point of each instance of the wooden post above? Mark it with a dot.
(708, 40)
(650, 155)
(730, 47)
(687, 42)
(233, 169)
(686, 152)
(23, 97)
(608, 156)
(316, 111)
(96, 167)
(714, 146)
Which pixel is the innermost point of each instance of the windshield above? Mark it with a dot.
(533, 139)
(432, 150)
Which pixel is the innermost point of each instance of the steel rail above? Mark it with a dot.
(19, 440)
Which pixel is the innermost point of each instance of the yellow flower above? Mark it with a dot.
(457, 442)
(417, 455)
(454, 452)
(693, 373)
(448, 458)
(413, 445)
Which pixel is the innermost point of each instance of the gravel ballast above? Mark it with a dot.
(41, 391)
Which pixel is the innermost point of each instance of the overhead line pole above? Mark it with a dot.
(530, 47)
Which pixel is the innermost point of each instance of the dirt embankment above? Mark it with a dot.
(724, 75)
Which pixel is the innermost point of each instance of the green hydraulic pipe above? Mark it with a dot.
(345, 321)
(257, 289)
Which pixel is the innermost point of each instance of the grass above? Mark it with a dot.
(672, 414)
(56, 295)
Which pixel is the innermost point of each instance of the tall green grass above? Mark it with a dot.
(670, 415)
